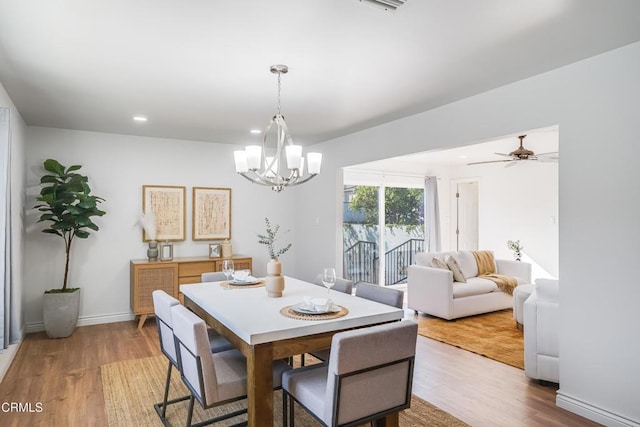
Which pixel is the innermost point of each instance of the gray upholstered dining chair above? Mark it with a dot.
(162, 304)
(369, 376)
(213, 276)
(212, 378)
(342, 285)
(381, 294)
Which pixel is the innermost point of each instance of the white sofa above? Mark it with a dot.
(541, 341)
(433, 291)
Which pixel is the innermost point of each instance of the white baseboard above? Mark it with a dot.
(86, 321)
(593, 413)
(6, 357)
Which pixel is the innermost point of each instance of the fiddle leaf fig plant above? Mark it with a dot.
(67, 205)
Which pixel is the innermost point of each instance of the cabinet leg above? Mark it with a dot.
(143, 318)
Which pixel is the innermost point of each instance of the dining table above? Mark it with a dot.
(265, 329)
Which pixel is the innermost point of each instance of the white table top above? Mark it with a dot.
(256, 318)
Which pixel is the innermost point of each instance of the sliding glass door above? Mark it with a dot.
(383, 228)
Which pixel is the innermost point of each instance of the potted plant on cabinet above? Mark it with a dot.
(67, 205)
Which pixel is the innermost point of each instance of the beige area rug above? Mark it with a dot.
(132, 387)
(493, 335)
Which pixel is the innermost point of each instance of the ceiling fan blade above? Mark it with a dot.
(490, 161)
(549, 154)
(513, 162)
(503, 154)
(549, 159)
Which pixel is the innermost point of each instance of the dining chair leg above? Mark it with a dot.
(166, 391)
(291, 402)
(284, 408)
(190, 411)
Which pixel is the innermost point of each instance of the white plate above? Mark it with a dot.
(302, 308)
(242, 282)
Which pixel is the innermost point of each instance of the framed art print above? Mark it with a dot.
(168, 205)
(211, 213)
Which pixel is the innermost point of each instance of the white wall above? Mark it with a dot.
(518, 203)
(594, 102)
(118, 166)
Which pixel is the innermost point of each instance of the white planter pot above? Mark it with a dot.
(274, 282)
(60, 312)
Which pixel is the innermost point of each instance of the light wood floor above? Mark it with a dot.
(64, 376)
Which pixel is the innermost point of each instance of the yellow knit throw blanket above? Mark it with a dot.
(487, 270)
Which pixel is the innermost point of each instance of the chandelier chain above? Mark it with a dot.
(279, 74)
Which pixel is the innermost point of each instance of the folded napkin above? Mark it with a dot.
(248, 279)
(321, 305)
(243, 276)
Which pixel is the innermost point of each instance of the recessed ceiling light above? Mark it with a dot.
(140, 118)
(462, 156)
(256, 131)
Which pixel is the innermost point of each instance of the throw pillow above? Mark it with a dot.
(439, 263)
(455, 269)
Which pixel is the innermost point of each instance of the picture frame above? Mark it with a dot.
(166, 251)
(211, 216)
(168, 206)
(215, 250)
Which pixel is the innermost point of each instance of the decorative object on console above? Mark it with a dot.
(214, 250)
(166, 251)
(517, 248)
(211, 217)
(147, 221)
(274, 282)
(226, 249)
(152, 252)
(250, 164)
(167, 204)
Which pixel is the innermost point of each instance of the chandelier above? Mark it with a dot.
(262, 164)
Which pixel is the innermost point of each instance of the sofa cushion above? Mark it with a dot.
(437, 262)
(425, 258)
(473, 286)
(467, 263)
(453, 265)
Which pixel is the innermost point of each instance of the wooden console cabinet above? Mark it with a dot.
(147, 276)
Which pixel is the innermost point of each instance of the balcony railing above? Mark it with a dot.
(361, 261)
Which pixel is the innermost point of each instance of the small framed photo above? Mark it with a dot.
(214, 250)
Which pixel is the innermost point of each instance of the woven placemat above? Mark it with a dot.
(232, 286)
(288, 311)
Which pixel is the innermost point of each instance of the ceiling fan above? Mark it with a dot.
(521, 154)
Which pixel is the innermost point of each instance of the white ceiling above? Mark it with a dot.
(544, 140)
(199, 69)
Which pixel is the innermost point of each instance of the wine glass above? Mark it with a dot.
(329, 278)
(228, 269)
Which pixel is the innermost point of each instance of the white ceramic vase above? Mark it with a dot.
(274, 282)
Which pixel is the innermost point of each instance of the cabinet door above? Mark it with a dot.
(148, 278)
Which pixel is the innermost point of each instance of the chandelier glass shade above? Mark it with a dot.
(263, 164)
